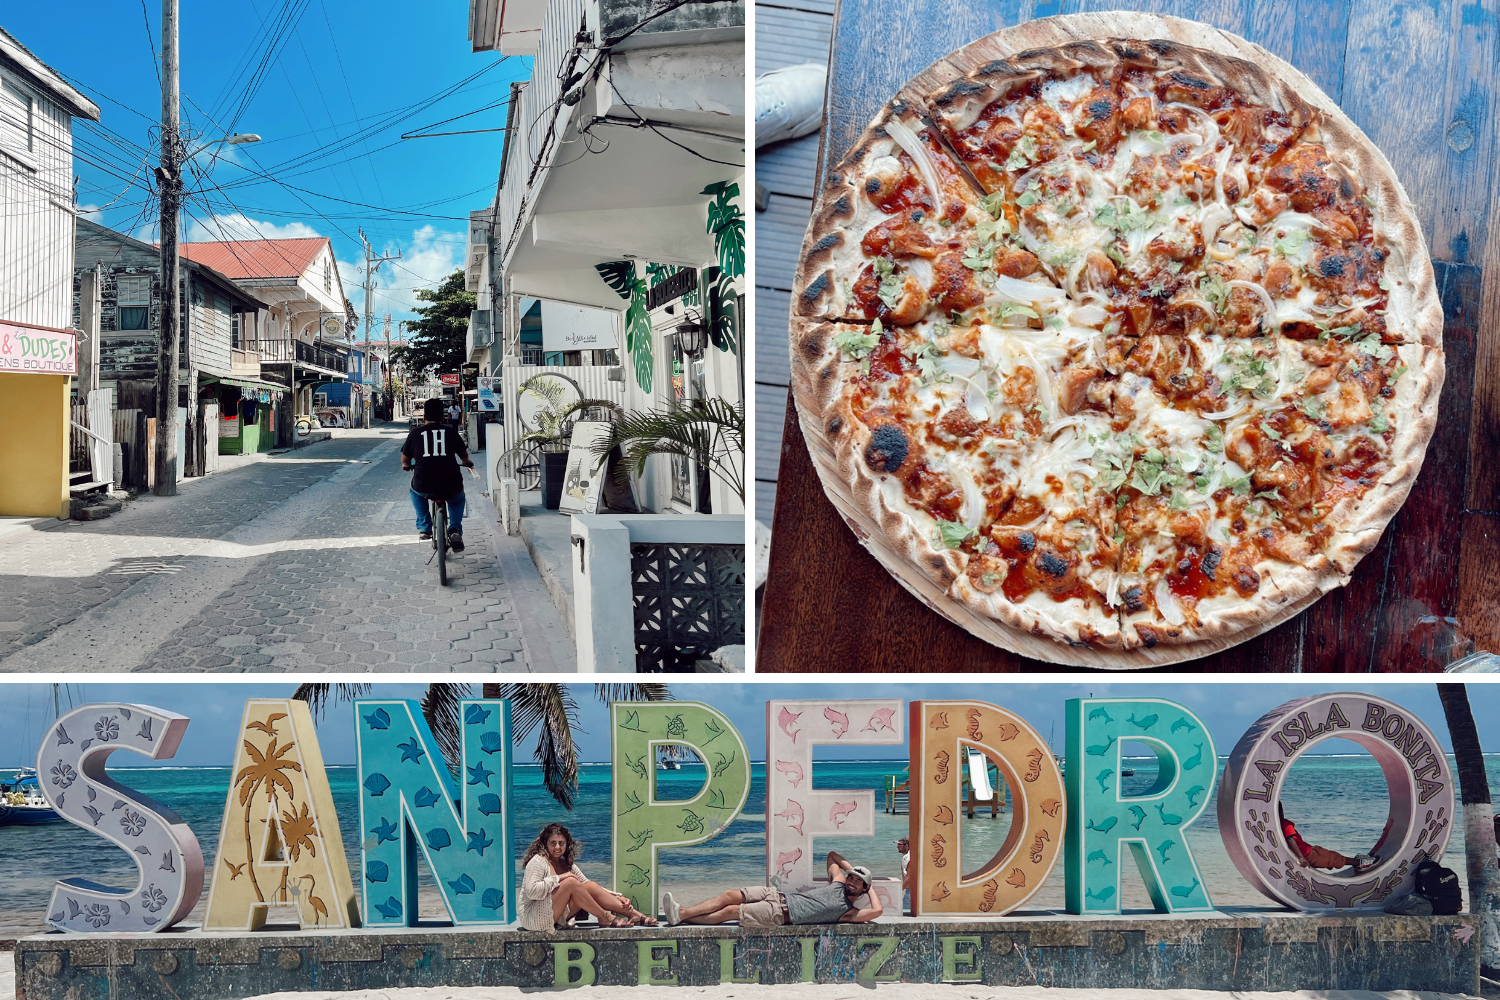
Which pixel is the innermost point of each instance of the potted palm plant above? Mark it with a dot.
(554, 421)
(709, 432)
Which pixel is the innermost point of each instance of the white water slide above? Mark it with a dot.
(979, 777)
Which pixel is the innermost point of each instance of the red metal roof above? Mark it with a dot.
(257, 258)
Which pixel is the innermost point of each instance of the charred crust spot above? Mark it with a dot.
(887, 448)
(812, 346)
(835, 425)
(827, 243)
(1211, 562)
(815, 289)
(1160, 46)
(829, 373)
(1246, 581)
(1051, 564)
(1132, 598)
(872, 186)
(1129, 52)
(1100, 108)
(1333, 266)
(1148, 635)
(1191, 82)
(1026, 541)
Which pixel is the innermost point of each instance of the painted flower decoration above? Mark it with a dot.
(107, 728)
(63, 774)
(96, 914)
(153, 898)
(132, 822)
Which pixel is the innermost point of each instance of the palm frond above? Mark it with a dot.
(440, 709)
(320, 696)
(710, 432)
(632, 692)
(551, 708)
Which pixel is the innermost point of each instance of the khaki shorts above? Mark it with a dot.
(763, 907)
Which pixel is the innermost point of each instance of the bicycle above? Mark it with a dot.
(437, 516)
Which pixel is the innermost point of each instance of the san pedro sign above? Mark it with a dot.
(280, 843)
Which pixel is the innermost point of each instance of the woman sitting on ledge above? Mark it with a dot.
(554, 889)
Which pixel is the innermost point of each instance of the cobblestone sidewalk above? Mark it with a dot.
(307, 562)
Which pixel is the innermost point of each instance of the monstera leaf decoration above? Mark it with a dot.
(620, 275)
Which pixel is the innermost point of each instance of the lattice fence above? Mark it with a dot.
(689, 601)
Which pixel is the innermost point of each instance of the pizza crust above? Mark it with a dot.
(903, 537)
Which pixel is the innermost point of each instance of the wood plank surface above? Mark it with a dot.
(1419, 79)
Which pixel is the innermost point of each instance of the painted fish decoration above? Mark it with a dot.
(1100, 749)
(1183, 724)
(1016, 878)
(792, 770)
(940, 892)
(1164, 847)
(1195, 759)
(1102, 895)
(786, 719)
(426, 798)
(1096, 713)
(1050, 807)
(378, 719)
(793, 815)
(1098, 856)
(939, 721)
(785, 860)
(1102, 777)
(1009, 731)
(1193, 793)
(1185, 890)
(476, 715)
(1145, 723)
(1166, 817)
(973, 731)
(840, 722)
(1139, 814)
(1104, 827)
(880, 719)
(839, 811)
(944, 815)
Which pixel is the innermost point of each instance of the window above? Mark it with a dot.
(133, 296)
(327, 276)
(234, 331)
(17, 118)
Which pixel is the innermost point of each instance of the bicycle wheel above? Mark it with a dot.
(529, 469)
(440, 536)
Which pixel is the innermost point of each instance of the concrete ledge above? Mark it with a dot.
(311, 437)
(1216, 952)
(546, 535)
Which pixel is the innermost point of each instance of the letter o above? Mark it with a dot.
(1417, 776)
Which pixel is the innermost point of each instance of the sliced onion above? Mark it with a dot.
(1245, 216)
(958, 365)
(972, 511)
(1233, 410)
(1289, 219)
(1082, 468)
(1112, 589)
(1221, 164)
(1026, 291)
(907, 140)
(1062, 424)
(1211, 221)
(977, 402)
(1088, 315)
(1166, 603)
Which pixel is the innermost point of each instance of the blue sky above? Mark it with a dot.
(343, 71)
(215, 708)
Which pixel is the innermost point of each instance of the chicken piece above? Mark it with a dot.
(1098, 273)
(1051, 570)
(987, 568)
(910, 302)
(1243, 312)
(1305, 174)
(1098, 118)
(898, 238)
(1137, 113)
(1073, 386)
(953, 285)
(1279, 279)
(1266, 204)
(1014, 262)
(1020, 389)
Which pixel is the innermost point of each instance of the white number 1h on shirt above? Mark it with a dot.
(436, 446)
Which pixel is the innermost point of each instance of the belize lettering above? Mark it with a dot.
(280, 844)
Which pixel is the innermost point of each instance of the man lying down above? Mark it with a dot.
(846, 899)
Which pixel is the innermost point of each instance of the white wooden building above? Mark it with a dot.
(622, 168)
(37, 209)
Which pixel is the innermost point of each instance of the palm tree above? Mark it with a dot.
(1479, 822)
(548, 707)
(709, 432)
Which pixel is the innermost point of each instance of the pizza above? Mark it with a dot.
(1123, 343)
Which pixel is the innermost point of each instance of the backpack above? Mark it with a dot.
(1440, 885)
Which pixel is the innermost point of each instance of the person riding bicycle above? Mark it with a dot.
(435, 451)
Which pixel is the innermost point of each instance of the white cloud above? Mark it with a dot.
(91, 212)
(429, 256)
(238, 226)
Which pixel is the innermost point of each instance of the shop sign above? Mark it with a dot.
(37, 350)
(450, 378)
(487, 401)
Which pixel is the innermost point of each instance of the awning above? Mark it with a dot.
(245, 383)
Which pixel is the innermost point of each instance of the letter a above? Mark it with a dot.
(280, 842)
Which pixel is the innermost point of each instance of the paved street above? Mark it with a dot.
(307, 561)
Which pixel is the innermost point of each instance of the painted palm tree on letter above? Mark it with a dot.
(264, 773)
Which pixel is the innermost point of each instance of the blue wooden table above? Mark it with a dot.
(1419, 78)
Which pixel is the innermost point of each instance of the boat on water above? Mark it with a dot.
(21, 801)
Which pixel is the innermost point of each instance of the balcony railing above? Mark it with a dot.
(288, 350)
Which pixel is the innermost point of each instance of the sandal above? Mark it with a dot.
(641, 920)
(618, 921)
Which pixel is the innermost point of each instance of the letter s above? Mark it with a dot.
(70, 769)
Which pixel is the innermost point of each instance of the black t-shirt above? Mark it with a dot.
(435, 450)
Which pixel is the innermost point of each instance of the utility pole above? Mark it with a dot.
(372, 264)
(171, 314)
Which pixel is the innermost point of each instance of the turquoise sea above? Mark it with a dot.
(1337, 801)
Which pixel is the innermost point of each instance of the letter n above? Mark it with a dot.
(409, 806)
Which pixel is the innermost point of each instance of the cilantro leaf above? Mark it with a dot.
(952, 534)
